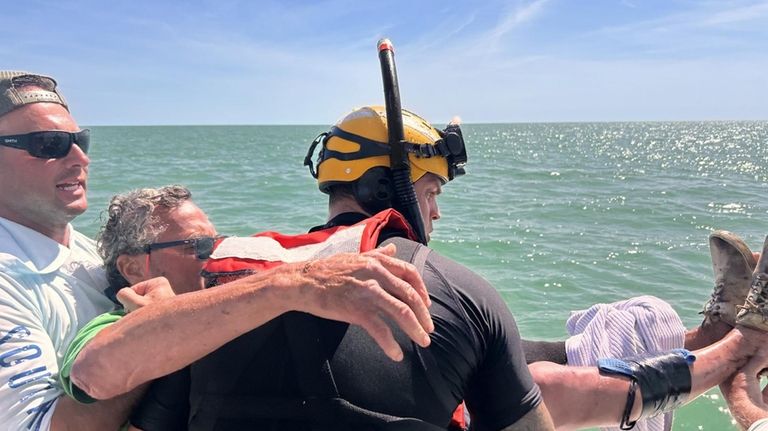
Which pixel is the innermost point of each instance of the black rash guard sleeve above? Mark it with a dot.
(165, 406)
(550, 351)
(498, 389)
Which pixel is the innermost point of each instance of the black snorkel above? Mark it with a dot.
(405, 201)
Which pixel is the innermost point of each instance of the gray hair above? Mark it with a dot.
(132, 225)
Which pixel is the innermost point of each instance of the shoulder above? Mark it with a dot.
(17, 289)
(458, 274)
(468, 289)
(457, 287)
(10, 261)
(447, 270)
(467, 307)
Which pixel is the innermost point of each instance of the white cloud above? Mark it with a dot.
(705, 15)
(514, 19)
(737, 15)
(628, 4)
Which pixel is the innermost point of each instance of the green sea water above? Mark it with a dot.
(556, 216)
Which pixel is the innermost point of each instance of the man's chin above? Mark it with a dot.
(75, 209)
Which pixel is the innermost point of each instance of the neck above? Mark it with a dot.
(344, 205)
(58, 232)
(60, 235)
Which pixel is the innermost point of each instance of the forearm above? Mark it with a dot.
(719, 361)
(165, 336)
(371, 289)
(745, 411)
(579, 397)
(106, 415)
(745, 401)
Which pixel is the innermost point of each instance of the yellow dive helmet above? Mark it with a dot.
(356, 151)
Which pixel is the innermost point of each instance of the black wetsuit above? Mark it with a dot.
(278, 369)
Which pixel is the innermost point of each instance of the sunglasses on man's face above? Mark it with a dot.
(53, 144)
(203, 245)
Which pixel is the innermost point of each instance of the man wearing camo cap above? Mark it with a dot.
(51, 279)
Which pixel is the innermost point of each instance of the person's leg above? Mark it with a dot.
(706, 334)
(550, 351)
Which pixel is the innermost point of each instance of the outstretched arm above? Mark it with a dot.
(362, 289)
(580, 397)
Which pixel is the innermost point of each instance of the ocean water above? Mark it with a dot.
(556, 216)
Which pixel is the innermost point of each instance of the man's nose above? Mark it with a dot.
(436, 213)
(77, 156)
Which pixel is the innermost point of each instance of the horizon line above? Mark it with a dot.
(463, 123)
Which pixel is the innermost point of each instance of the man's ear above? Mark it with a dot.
(133, 268)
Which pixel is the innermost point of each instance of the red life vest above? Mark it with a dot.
(237, 257)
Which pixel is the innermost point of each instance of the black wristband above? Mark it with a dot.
(626, 424)
(664, 380)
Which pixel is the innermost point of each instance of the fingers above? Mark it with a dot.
(373, 290)
(403, 270)
(157, 288)
(382, 335)
(145, 292)
(140, 288)
(389, 250)
(400, 280)
(144, 287)
(403, 310)
(758, 363)
(131, 300)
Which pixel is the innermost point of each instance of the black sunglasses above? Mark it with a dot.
(203, 245)
(53, 144)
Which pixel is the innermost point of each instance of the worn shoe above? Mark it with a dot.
(732, 264)
(754, 312)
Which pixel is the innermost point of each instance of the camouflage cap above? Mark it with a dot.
(17, 89)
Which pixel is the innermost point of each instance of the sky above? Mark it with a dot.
(141, 62)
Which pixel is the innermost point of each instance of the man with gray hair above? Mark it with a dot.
(132, 241)
(149, 232)
(52, 280)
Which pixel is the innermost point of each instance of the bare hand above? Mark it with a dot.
(743, 387)
(365, 289)
(145, 292)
